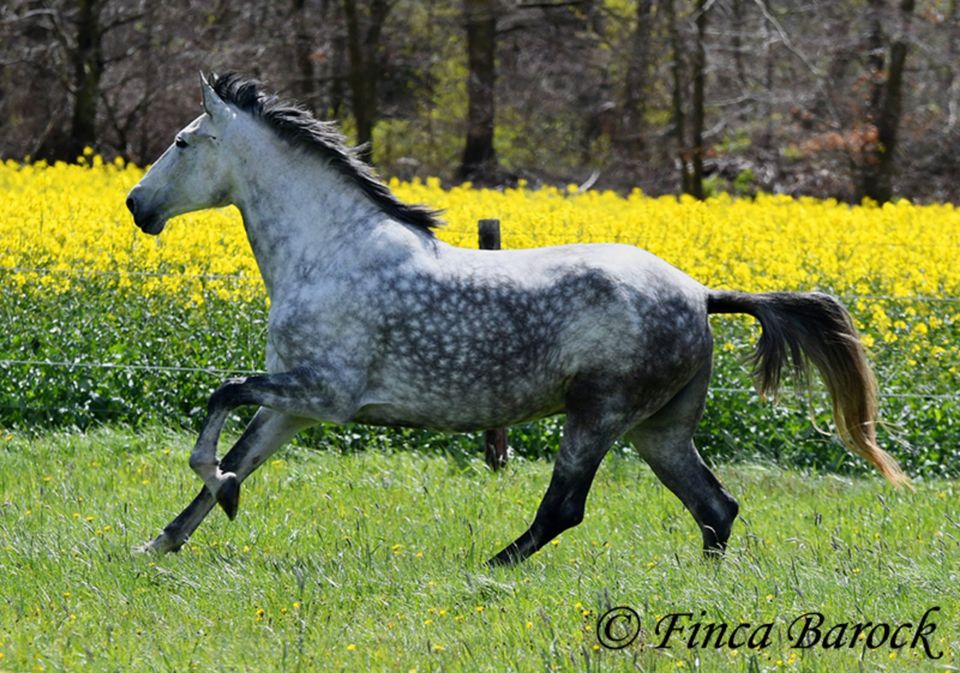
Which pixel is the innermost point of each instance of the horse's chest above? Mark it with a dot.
(316, 328)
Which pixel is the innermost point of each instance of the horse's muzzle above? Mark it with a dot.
(148, 222)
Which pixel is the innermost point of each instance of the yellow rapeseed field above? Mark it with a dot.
(60, 221)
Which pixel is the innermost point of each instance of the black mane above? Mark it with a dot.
(299, 127)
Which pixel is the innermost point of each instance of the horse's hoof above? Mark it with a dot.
(162, 544)
(228, 495)
(504, 559)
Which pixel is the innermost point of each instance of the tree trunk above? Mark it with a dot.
(88, 66)
(636, 85)
(364, 52)
(677, 95)
(148, 69)
(886, 102)
(305, 79)
(479, 158)
(766, 109)
(697, 113)
(736, 43)
(339, 70)
(951, 84)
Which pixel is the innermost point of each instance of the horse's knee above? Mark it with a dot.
(229, 395)
(200, 462)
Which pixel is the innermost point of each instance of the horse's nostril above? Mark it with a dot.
(132, 205)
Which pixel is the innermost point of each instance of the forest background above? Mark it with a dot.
(845, 99)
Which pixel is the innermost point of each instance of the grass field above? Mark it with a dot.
(373, 560)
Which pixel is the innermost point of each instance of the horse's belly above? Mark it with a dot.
(461, 411)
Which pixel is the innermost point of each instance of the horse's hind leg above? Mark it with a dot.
(266, 433)
(587, 436)
(665, 441)
(679, 466)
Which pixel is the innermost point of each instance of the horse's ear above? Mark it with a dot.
(213, 105)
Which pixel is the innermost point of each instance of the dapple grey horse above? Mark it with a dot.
(374, 320)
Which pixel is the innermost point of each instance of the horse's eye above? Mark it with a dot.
(180, 142)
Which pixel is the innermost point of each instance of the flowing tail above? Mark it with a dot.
(814, 327)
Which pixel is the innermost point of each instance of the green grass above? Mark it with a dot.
(373, 560)
(98, 323)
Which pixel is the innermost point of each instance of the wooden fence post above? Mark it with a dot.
(495, 440)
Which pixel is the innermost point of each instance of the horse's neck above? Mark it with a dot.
(298, 217)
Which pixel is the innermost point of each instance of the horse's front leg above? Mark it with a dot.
(303, 393)
(267, 432)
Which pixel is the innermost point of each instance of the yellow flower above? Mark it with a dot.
(351, 648)
(861, 251)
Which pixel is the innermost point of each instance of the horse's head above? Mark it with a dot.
(192, 174)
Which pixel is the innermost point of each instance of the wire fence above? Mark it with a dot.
(254, 279)
(177, 369)
(40, 271)
(221, 371)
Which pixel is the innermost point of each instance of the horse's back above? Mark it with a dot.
(603, 301)
(473, 339)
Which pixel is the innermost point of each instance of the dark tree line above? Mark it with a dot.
(843, 98)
